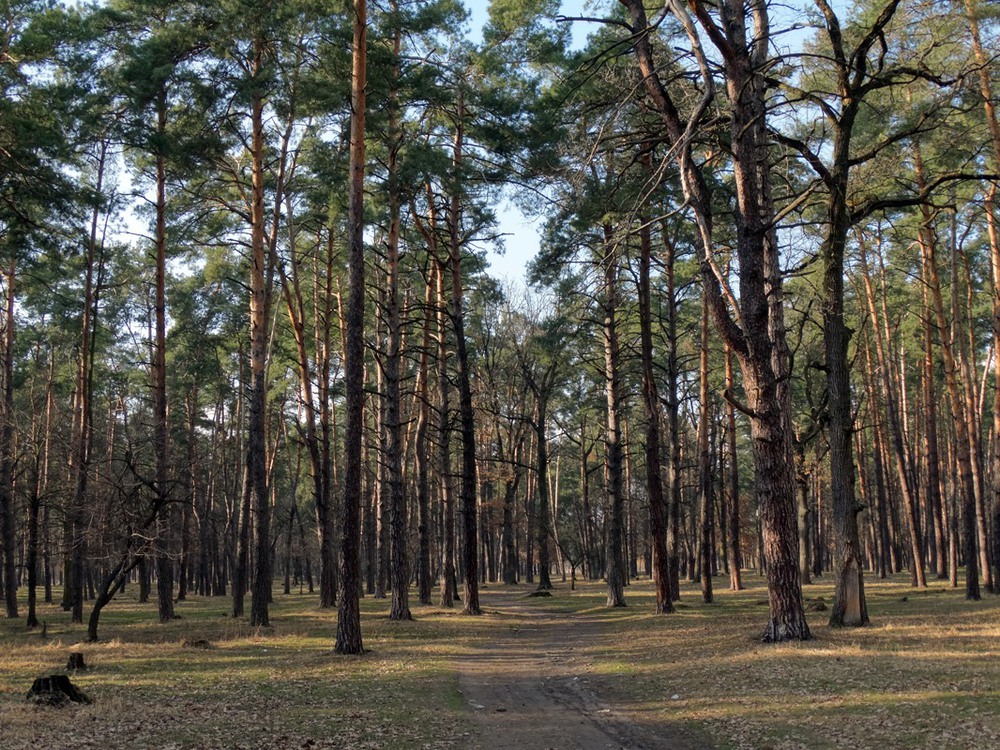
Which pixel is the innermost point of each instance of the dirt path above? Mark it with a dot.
(528, 688)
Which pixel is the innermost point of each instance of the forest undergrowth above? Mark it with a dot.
(926, 673)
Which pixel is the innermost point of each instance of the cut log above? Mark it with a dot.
(55, 690)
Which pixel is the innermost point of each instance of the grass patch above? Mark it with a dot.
(924, 674)
(279, 687)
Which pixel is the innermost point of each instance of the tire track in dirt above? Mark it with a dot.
(528, 687)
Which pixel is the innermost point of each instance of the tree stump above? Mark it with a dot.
(76, 662)
(55, 690)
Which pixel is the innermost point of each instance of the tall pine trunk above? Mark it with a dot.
(349, 612)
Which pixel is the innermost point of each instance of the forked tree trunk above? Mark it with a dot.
(758, 338)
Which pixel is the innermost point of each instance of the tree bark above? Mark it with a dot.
(399, 569)
(706, 484)
(161, 434)
(7, 531)
(651, 403)
(612, 440)
(349, 612)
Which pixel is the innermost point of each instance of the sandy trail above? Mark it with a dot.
(528, 688)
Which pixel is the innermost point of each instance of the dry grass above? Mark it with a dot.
(278, 688)
(925, 674)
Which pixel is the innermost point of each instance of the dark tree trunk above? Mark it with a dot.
(349, 612)
(850, 607)
(542, 483)
(444, 454)
(651, 403)
(733, 483)
(161, 436)
(7, 531)
(612, 439)
(470, 526)
(399, 569)
(422, 448)
(706, 484)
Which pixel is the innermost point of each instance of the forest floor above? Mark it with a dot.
(530, 685)
(548, 672)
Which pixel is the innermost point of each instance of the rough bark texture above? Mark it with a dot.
(7, 535)
(421, 458)
(706, 483)
(612, 438)
(256, 460)
(349, 612)
(470, 536)
(733, 486)
(651, 406)
(757, 335)
(448, 592)
(164, 563)
(899, 446)
(989, 108)
(542, 483)
(399, 569)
